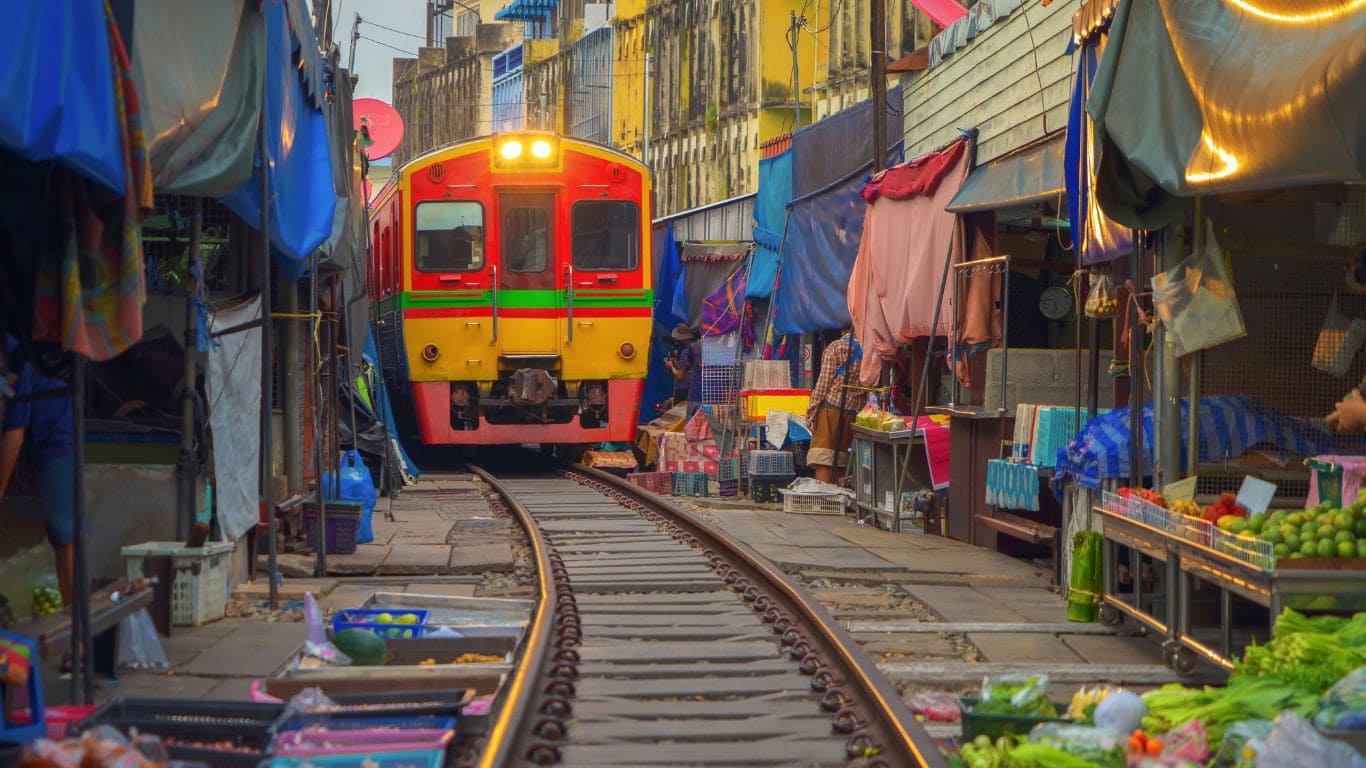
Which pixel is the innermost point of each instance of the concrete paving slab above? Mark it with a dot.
(478, 559)
(962, 604)
(158, 685)
(406, 559)
(254, 649)
(422, 533)
(1115, 650)
(788, 556)
(293, 589)
(1034, 604)
(231, 689)
(185, 643)
(1022, 647)
(906, 646)
(362, 562)
(863, 597)
(348, 596)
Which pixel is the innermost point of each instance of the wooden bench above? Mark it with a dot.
(52, 633)
(1024, 529)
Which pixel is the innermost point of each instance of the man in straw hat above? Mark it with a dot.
(685, 363)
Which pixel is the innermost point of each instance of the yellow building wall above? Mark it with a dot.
(628, 75)
(775, 62)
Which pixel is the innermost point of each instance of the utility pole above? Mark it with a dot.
(796, 82)
(645, 117)
(355, 37)
(878, 31)
(431, 23)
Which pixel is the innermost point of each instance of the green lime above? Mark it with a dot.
(1297, 519)
(1309, 536)
(1293, 541)
(1345, 521)
(1309, 549)
(1361, 547)
(1272, 535)
(1347, 549)
(1281, 550)
(1256, 522)
(1327, 548)
(1279, 516)
(1360, 527)
(1344, 536)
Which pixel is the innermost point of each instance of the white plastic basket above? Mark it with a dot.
(799, 503)
(199, 590)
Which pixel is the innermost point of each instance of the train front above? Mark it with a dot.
(527, 293)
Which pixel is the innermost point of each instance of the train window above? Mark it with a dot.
(606, 234)
(526, 232)
(449, 236)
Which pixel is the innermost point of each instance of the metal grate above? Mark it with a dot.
(166, 240)
(1290, 251)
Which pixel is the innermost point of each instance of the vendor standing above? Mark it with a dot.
(45, 421)
(686, 366)
(833, 407)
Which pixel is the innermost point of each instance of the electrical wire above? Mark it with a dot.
(364, 20)
(386, 45)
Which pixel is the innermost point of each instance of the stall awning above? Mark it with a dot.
(1197, 98)
(526, 10)
(1029, 175)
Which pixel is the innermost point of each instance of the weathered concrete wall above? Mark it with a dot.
(1042, 377)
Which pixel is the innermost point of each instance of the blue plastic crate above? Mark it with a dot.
(691, 484)
(770, 464)
(357, 722)
(426, 758)
(364, 618)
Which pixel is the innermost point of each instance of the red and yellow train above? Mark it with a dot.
(512, 278)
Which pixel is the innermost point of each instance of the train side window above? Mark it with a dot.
(449, 236)
(526, 232)
(606, 235)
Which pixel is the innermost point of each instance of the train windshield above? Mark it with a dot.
(526, 231)
(606, 235)
(450, 236)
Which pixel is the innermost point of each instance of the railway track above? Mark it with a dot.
(659, 640)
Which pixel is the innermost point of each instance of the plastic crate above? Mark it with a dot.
(365, 618)
(427, 758)
(756, 403)
(334, 722)
(691, 484)
(323, 741)
(770, 464)
(729, 489)
(655, 482)
(767, 488)
(996, 725)
(199, 591)
(343, 523)
(727, 469)
(798, 503)
(188, 728)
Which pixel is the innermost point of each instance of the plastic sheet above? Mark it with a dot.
(234, 392)
(139, 645)
(1195, 300)
(1294, 743)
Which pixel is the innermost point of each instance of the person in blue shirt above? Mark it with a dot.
(46, 424)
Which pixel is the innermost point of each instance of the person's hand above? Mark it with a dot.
(1350, 414)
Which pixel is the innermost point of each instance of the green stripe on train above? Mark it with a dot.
(519, 299)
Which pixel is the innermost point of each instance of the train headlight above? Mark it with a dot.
(430, 353)
(627, 350)
(512, 150)
(541, 149)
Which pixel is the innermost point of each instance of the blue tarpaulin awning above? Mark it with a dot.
(526, 10)
(770, 215)
(823, 233)
(57, 75)
(1030, 175)
(303, 200)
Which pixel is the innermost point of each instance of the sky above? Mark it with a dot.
(374, 59)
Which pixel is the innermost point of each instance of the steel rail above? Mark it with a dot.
(861, 703)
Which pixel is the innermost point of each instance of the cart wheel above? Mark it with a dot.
(1169, 654)
(1110, 615)
(1183, 661)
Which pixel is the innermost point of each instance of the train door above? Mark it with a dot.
(530, 286)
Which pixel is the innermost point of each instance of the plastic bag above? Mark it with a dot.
(1101, 301)
(139, 645)
(1294, 743)
(1344, 705)
(1196, 303)
(1339, 341)
(1085, 741)
(938, 706)
(1242, 743)
(317, 646)
(1017, 694)
(352, 482)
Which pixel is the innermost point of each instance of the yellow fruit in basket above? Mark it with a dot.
(407, 618)
(384, 618)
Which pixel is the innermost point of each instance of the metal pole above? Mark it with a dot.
(1193, 384)
(187, 470)
(319, 425)
(267, 355)
(1170, 382)
(877, 28)
(796, 81)
(82, 660)
(1136, 368)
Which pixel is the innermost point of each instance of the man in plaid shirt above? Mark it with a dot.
(833, 407)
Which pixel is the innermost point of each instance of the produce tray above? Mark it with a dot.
(357, 722)
(995, 725)
(312, 742)
(404, 703)
(431, 758)
(247, 726)
(364, 618)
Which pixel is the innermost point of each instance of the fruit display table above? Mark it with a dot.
(1195, 560)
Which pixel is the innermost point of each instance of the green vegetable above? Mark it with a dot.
(364, 647)
(1244, 698)
(1311, 653)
